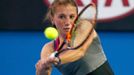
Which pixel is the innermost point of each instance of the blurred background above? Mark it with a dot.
(22, 38)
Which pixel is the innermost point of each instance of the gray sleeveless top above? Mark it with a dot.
(93, 58)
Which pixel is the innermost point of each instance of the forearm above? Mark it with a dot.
(70, 56)
(43, 72)
(73, 55)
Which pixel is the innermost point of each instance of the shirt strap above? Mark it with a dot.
(56, 44)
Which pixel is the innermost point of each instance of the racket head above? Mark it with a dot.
(85, 20)
(89, 12)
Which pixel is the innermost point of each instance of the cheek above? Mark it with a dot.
(58, 24)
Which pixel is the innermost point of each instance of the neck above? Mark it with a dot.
(62, 38)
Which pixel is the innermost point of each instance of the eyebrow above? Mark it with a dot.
(69, 14)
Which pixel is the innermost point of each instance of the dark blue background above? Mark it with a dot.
(19, 51)
(29, 14)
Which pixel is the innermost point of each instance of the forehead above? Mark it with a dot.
(65, 9)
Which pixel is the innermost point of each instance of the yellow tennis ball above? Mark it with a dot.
(51, 33)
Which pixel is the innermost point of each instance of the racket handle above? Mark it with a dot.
(55, 54)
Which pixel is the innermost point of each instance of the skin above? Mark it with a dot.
(63, 21)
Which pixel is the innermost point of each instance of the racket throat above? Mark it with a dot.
(68, 39)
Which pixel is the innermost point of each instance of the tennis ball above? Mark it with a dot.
(51, 33)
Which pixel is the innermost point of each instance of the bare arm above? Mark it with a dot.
(73, 55)
(43, 66)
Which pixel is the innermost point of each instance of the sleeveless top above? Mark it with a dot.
(93, 59)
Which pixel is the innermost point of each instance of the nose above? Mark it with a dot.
(67, 22)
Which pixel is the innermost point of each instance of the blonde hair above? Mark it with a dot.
(51, 9)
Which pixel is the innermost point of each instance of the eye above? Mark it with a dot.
(72, 16)
(61, 16)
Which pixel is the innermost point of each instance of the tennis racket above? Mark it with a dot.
(88, 12)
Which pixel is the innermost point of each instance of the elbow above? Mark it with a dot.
(83, 51)
(81, 54)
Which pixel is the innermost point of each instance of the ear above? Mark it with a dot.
(52, 21)
(51, 18)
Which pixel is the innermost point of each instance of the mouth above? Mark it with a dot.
(66, 29)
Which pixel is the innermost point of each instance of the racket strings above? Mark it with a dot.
(68, 38)
(69, 35)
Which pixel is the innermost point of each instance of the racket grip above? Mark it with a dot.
(55, 54)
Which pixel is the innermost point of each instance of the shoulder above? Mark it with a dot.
(84, 24)
(84, 27)
(47, 49)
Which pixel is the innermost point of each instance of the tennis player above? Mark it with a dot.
(89, 59)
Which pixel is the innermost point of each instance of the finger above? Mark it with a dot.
(54, 60)
(46, 63)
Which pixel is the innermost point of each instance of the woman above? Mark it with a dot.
(89, 59)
